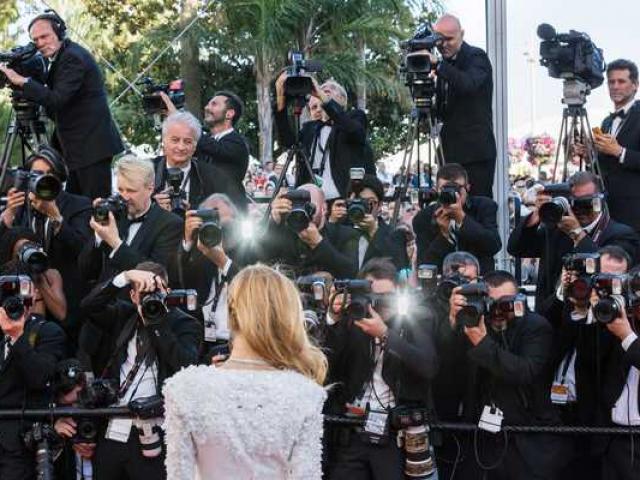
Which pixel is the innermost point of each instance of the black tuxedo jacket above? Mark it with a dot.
(175, 340)
(385, 243)
(478, 234)
(204, 179)
(25, 373)
(280, 245)
(529, 242)
(157, 240)
(75, 99)
(347, 143)
(409, 361)
(622, 179)
(465, 90)
(230, 156)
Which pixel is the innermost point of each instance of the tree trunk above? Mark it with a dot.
(190, 59)
(361, 86)
(265, 113)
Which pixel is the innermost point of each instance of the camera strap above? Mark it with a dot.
(324, 150)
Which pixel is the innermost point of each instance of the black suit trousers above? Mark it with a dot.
(362, 461)
(617, 459)
(92, 181)
(17, 464)
(481, 176)
(124, 461)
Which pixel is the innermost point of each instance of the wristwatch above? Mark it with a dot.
(575, 233)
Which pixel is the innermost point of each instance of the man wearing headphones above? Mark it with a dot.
(62, 224)
(74, 98)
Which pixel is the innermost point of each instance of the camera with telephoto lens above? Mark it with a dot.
(114, 204)
(298, 82)
(417, 68)
(571, 55)
(155, 305)
(33, 258)
(302, 210)
(44, 186)
(16, 293)
(176, 193)
(414, 434)
(357, 208)
(99, 393)
(360, 297)
(210, 232)
(551, 212)
(152, 103)
(584, 266)
(42, 440)
(612, 293)
(477, 304)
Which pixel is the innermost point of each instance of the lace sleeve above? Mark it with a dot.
(181, 459)
(306, 456)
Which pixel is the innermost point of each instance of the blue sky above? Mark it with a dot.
(613, 29)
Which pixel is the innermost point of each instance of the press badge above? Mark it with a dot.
(210, 331)
(376, 423)
(491, 419)
(559, 394)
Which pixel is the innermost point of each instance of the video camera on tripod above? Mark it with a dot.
(298, 83)
(152, 103)
(416, 67)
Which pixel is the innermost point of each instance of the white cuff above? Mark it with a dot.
(98, 239)
(621, 159)
(187, 246)
(120, 281)
(626, 343)
(227, 266)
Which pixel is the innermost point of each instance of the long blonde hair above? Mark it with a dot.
(264, 306)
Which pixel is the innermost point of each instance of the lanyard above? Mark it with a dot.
(324, 151)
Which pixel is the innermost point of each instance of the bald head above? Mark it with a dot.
(450, 28)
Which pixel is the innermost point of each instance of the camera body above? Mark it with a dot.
(313, 291)
(114, 204)
(477, 304)
(585, 265)
(175, 179)
(25, 60)
(210, 232)
(298, 83)
(99, 393)
(360, 297)
(551, 212)
(612, 294)
(155, 305)
(357, 208)
(446, 284)
(16, 293)
(571, 55)
(44, 186)
(302, 210)
(152, 104)
(417, 68)
(33, 258)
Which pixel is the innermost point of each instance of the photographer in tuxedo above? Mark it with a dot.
(74, 98)
(181, 132)
(142, 345)
(30, 348)
(144, 231)
(335, 141)
(465, 91)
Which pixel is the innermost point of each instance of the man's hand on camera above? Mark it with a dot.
(48, 208)
(373, 325)
(216, 254)
(14, 77)
(163, 200)
(338, 211)
(443, 221)
(65, 427)
(369, 224)
(456, 302)
(108, 233)
(15, 200)
(143, 281)
(311, 235)
(192, 223)
(169, 105)
(541, 199)
(476, 334)
(455, 211)
(280, 207)
(11, 328)
(570, 224)
(620, 327)
(85, 450)
(317, 92)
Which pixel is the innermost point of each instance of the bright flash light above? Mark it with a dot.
(403, 304)
(247, 229)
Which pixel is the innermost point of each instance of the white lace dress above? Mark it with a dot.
(242, 424)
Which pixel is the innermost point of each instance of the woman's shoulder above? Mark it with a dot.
(186, 379)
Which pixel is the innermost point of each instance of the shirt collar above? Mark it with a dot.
(589, 228)
(218, 136)
(627, 106)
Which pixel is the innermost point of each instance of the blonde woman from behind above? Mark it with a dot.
(259, 415)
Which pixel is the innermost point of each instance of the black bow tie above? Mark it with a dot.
(620, 113)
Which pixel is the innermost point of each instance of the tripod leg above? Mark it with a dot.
(10, 140)
(281, 179)
(405, 170)
(561, 137)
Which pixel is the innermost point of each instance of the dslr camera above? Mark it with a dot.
(175, 179)
(478, 303)
(298, 83)
(571, 56)
(612, 293)
(152, 104)
(360, 297)
(100, 393)
(302, 210)
(155, 305)
(551, 212)
(114, 204)
(585, 266)
(44, 186)
(33, 258)
(447, 283)
(16, 293)
(210, 232)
